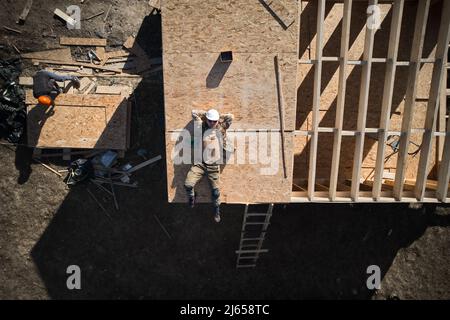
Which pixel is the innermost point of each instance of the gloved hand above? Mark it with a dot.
(76, 82)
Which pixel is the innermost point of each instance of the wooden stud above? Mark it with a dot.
(433, 102)
(362, 108)
(316, 98)
(389, 80)
(341, 98)
(444, 170)
(411, 92)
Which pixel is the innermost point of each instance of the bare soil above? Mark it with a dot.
(316, 250)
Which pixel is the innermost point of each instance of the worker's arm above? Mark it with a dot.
(57, 77)
(197, 115)
(227, 119)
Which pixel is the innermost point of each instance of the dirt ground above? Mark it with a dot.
(316, 251)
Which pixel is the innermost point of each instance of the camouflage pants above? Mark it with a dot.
(194, 175)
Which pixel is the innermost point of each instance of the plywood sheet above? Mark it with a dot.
(78, 121)
(239, 183)
(246, 87)
(214, 26)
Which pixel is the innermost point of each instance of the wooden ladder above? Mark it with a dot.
(253, 233)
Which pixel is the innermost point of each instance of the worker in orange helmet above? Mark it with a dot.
(45, 86)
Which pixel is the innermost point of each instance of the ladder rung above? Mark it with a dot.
(252, 239)
(246, 266)
(257, 214)
(252, 251)
(256, 223)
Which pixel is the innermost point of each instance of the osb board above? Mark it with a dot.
(78, 121)
(247, 88)
(239, 183)
(214, 26)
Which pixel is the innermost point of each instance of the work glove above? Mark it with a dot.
(76, 82)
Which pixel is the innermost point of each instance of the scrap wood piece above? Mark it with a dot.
(60, 55)
(94, 15)
(107, 13)
(93, 42)
(281, 111)
(71, 21)
(132, 46)
(25, 11)
(26, 81)
(98, 202)
(162, 227)
(84, 82)
(145, 163)
(48, 167)
(89, 89)
(12, 30)
(100, 53)
(83, 64)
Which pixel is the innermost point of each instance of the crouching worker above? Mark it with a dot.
(45, 86)
(214, 128)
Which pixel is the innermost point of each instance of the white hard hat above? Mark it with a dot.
(212, 115)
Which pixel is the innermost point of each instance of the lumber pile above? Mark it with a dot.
(131, 61)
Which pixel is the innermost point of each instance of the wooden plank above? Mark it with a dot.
(55, 54)
(281, 110)
(23, 16)
(101, 53)
(345, 36)
(441, 121)
(65, 17)
(111, 89)
(362, 108)
(433, 102)
(444, 170)
(89, 65)
(316, 99)
(388, 90)
(91, 86)
(132, 46)
(411, 93)
(26, 81)
(84, 82)
(93, 42)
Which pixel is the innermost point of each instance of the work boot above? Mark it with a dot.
(217, 214)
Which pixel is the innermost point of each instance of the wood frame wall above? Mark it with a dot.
(316, 191)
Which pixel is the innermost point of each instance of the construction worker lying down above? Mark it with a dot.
(46, 88)
(214, 128)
